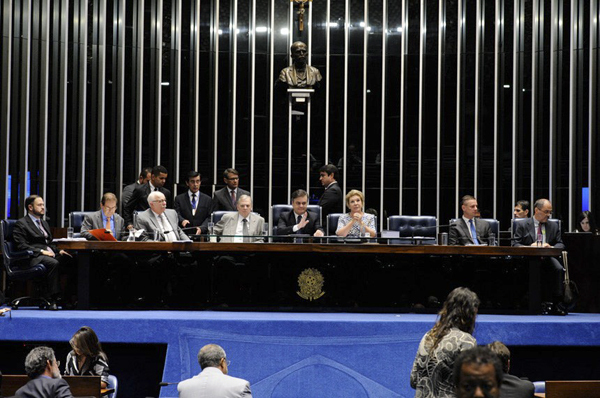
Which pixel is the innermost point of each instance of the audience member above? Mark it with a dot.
(227, 197)
(159, 218)
(143, 178)
(105, 218)
(512, 386)
(537, 231)
(86, 357)
(213, 381)
(245, 225)
(477, 374)
(469, 229)
(139, 197)
(431, 373)
(193, 207)
(42, 368)
(521, 209)
(356, 222)
(299, 220)
(33, 233)
(332, 199)
(586, 222)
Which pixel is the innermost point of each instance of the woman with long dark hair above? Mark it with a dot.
(586, 222)
(87, 357)
(431, 374)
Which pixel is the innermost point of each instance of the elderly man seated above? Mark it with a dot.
(243, 226)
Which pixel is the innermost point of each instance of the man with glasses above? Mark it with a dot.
(226, 198)
(139, 197)
(105, 218)
(43, 369)
(213, 381)
(159, 218)
(538, 232)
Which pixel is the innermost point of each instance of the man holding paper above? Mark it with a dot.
(105, 220)
(159, 218)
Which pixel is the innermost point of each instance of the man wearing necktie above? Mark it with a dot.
(299, 220)
(105, 218)
(192, 206)
(227, 197)
(159, 218)
(241, 226)
(33, 233)
(548, 231)
(469, 230)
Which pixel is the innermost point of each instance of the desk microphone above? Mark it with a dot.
(165, 383)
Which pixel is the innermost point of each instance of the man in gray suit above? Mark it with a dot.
(42, 368)
(105, 218)
(226, 198)
(213, 381)
(512, 386)
(247, 226)
(159, 218)
(469, 230)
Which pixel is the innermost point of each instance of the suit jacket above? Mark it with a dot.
(513, 387)
(222, 200)
(204, 208)
(94, 221)
(147, 221)
(42, 387)
(460, 233)
(139, 201)
(228, 224)
(525, 234)
(126, 194)
(332, 200)
(212, 383)
(28, 236)
(287, 221)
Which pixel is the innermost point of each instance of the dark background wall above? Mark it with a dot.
(421, 103)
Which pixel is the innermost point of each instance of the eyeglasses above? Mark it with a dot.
(233, 178)
(159, 201)
(110, 208)
(227, 362)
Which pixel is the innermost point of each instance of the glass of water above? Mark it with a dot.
(70, 232)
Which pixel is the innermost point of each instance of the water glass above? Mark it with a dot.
(70, 233)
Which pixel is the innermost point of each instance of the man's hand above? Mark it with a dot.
(198, 231)
(303, 221)
(318, 233)
(48, 253)
(184, 223)
(64, 253)
(130, 226)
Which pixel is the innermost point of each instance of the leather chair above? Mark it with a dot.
(494, 226)
(517, 220)
(113, 383)
(410, 226)
(16, 263)
(217, 215)
(76, 220)
(276, 211)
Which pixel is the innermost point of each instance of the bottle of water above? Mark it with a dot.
(540, 239)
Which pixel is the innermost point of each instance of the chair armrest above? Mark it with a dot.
(20, 255)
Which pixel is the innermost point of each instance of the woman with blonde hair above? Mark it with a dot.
(356, 222)
(87, 357)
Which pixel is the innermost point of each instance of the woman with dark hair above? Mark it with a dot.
(586, 222)
(431, 374)
(87, 357)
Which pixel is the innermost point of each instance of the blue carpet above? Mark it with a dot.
(296, 354)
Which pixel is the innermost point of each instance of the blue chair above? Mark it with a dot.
(494, 226)
(16, 263)
(276, 211)
(539, 386)
(410, 226)
(76, 220)
(517, 220)
(217, 215)
(113, 383)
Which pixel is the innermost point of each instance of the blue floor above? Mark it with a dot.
(296, 354)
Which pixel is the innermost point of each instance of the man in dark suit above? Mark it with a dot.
(538, 232)
(105, 218)
(512, 386)
(33, 233)
(332, 199)
(143, 178)
(299, 220)
(139, 197)
(42, 368)
(226, 198)
(193, 207)
(469, 230)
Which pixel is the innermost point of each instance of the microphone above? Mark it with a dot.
(166, 383)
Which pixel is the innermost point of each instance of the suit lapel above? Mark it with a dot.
(466, 230)
(531, 230)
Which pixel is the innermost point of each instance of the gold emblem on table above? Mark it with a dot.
(310, 283)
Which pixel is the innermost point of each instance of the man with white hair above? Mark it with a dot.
(42, 368)
(213, 381)
(159, 218)
(244, 225)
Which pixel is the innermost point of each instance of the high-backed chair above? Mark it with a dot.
(332, 222)
(517, 220)
(494, 226)
(16, 263)
(217, 215)
(411, 226)
(276, 211)
(76, 220)
(113, 383)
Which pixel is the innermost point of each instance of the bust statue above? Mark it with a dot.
(299, 74)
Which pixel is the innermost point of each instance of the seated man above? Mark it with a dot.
(477, 373)
(33, 233)
(159, 218)
(213, 381)
(193, 207)
(538, 232)
(469, 229)
(299, 220)
(42, 368)
(105, 218)
(246, 226)
(512, 386)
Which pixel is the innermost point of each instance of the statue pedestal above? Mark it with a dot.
(298, 97)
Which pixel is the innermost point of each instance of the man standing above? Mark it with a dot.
(193, 207)
(143, 178)
(246, 226)
(469, 230)
(32, 232)
(139, 197)
(213, 381)
(332, 200)
(299, 220)
(538, 232)
(521, 209)
(512, 386)
(42, 368)
(105, 218)
(226, 198)
(159, 218)
(477, 374)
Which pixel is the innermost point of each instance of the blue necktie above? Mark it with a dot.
(194, 201)
(473, 232)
